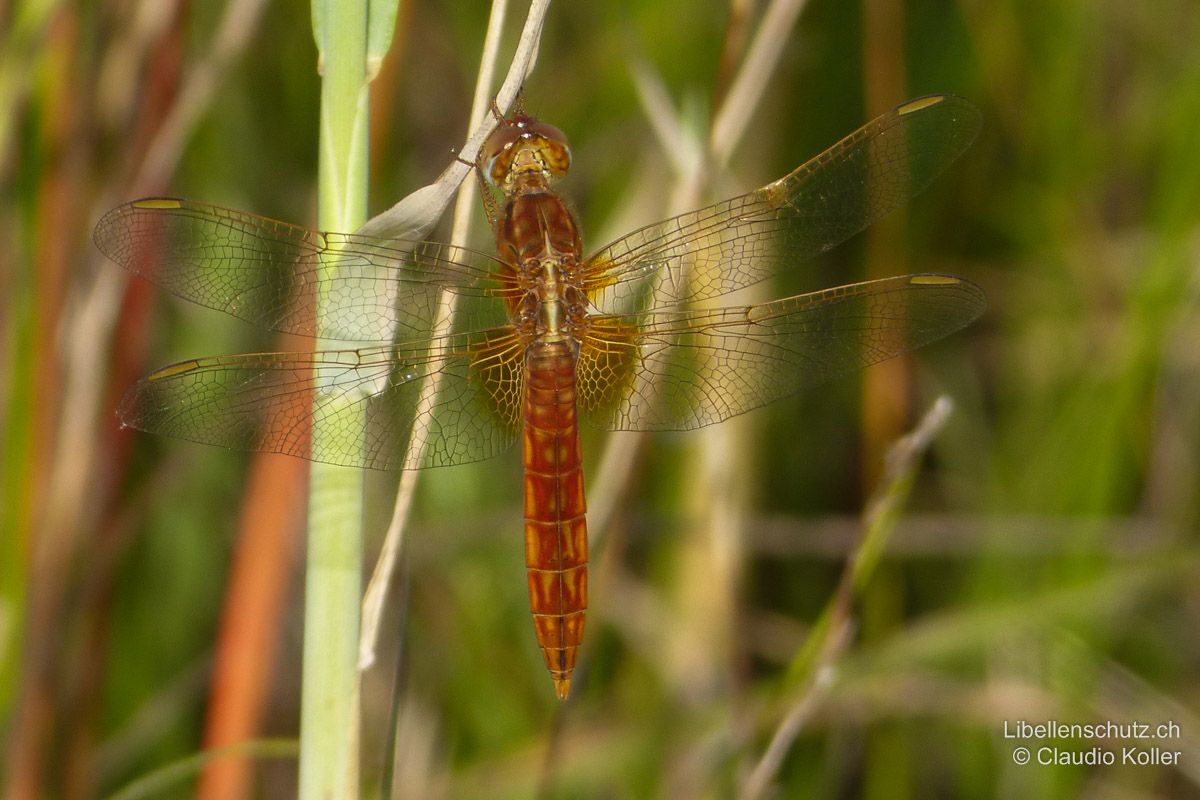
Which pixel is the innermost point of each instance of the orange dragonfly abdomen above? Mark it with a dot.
(555, 509)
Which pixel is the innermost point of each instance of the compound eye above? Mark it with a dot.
(495, 155)
(554, 154)
(546, 131)
(501, 139)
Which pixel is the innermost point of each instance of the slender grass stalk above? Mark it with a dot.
(381, 578)
(416, 213)
(813, 669)
(348, 53)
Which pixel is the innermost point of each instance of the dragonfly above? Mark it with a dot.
(451, 355)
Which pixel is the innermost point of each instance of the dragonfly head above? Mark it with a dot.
(522, 146)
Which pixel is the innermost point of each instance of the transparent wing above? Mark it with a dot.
(683, 370)
(373, 404)
(743, 240)
(276, 275)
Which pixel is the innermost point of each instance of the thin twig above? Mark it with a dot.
(481, 120)
(831, 635)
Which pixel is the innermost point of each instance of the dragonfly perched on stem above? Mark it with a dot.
(627, 338)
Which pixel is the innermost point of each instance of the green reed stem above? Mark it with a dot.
(333, 583)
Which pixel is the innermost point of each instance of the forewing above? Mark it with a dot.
(277, 275)
(743, 240)
(451, 401)
(683, 370)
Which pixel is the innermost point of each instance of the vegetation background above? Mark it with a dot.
(1044, 566)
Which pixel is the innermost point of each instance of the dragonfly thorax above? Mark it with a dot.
(538, 238)
(557, 303)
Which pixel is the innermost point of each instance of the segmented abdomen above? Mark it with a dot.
(555, 521)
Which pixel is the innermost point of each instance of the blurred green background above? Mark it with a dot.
(1043, 568)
